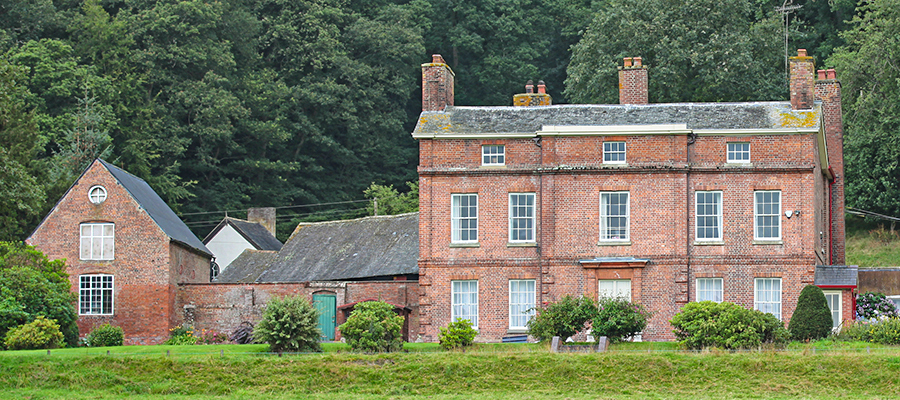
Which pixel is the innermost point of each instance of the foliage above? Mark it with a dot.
(457, 334)
(289, 324)
(41, 333)
(882, 331)
(699, 51)
(181, 335)
(373, 326)
(874, 305)
(390, 201)
(871, 105)
(563, 318)
(726, 325)
(243, 334)
(105, 335)
(211, 337)
(812, 317)
(618, 319)
(31, 286)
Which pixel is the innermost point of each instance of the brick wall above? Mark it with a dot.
(633, 82)
(143, 293)
(223, 306)
(661, 192)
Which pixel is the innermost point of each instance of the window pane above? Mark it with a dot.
(521, 217)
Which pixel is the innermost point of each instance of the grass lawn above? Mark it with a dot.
(499, 371)
(871, 243)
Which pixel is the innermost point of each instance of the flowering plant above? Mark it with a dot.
(874, 305)
(211, 337)
(181, 335)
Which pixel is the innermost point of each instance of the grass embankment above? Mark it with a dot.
(872, 243)
(487, 372)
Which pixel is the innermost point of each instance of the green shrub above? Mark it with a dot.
(373, 326)
(457, 334)
(181, 335)
(726, 325)
(563, 318)
(882, 331)
(812, 317)
(873, 305)
(289, 324)
(105, 335)
(42, 333)
(618, 318)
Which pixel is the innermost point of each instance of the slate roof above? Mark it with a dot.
(499, 120)
(247, 267)
(154, 205)
(836, 275)
(255, 233)
(336, 250)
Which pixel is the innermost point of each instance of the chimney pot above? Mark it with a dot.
(801, 53)
(542, 88)
(637, 61)
(627, 61)
(821, 74)
(529, 86)
(437, 59)
(831, 73)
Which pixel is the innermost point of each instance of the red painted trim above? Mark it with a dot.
(853, 303)
(830, 218)
(837, 286)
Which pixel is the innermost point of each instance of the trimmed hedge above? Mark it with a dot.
(812, 317)
(726, 325)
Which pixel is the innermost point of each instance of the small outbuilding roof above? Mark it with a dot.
(370, 247)
(255, 233)
(836, 275)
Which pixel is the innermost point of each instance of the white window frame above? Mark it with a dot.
(493, 155)
(106, 243)
(457, 220)
(604, 218)
(736, 155)
(93, 290)
(521, 302)
(610, 152)
(835, 325)
(515, 220)
(767, 300)
(461, 307)
(712, 289)
(717, 214)
(758, 216)
(620, 288)
(97, 194)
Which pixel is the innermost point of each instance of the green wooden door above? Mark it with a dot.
(326, 304)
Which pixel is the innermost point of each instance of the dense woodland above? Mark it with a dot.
(229, 104)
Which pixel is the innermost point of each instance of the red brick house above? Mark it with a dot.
(661, 203)
(126, 251)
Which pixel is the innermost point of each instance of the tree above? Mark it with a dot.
(812, 317)
(700, 51)
(871, 101)
(32, 286)
(23, 196)
(390, 202)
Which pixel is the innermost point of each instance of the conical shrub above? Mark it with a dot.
(812, 317)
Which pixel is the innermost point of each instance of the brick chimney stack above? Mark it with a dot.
(437, 84)
(532, 99)
(263, 216)
(828, 91)
(633, 82)
(802, 81)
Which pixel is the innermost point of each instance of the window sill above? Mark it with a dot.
(709, 243)
(768, 242)
(498, 166)
(614, 243)
(615, 165)
(476, 244)
(521, 244)
(738, 164)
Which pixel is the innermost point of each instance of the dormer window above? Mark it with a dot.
(493, 155)
(97, 194)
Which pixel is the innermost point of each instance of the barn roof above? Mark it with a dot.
(255, 233)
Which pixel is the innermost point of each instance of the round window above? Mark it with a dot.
(97, 194)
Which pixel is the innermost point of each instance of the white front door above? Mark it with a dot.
(833, 297)
(615, 288)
